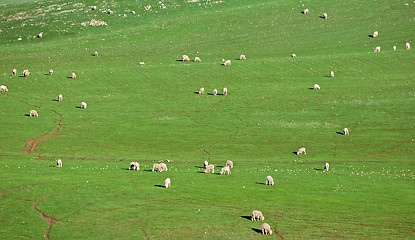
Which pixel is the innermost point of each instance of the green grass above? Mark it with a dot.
(148, 113)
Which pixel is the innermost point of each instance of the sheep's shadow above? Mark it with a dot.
(148, 170)
(158, 185)
(260, 183)
(196, 93)
(339, 133)
(302, 12)
(46, 74)
(179, 60)
(295, 153)
(370, 35)
(216, 173)
(318, 169)
(246, 217)
(92, 54)
(55, 100)
(27, 115)
(210, 94)
(21, 76)
(322, 17)
(69, 77)
(201, 172)
(311, 88)
(327, 76)
(257, 230)
(78, 107)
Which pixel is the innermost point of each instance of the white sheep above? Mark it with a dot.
(331, 74)
(377, 49)
(26, 73)
(3, 88)
(202, 90)
(205, 164)
(94, 8)
(73, 75)
(326, 167)
(293, 55)
(305, 11)
(227, 62)
(40, 35)
(242, 57)
(215, 91)
(345, 131)
(210, 167)
(316, 87)
(60, 98)
(394, 48)
(167, 183)
(50, 72)
(408, 46)
(229, 163)
(135, 166)
(163, 167)
(157, 166)
(14, 71)
(83, 105)
(33, 113)
(325, 15)
(270, 181)
(266, 229)
(96, 54)
(185, 58)
(257, 215)
(301, 151)
(59, 163)
(197, 59)
(375, 34)
(225, 91)
(225, 170)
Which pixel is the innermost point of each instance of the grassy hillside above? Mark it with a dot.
(150, 112)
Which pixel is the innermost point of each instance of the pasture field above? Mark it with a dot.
(151, 112)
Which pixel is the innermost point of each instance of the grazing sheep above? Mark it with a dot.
(202, 90)
(40, 35)
(305, 11)
(375, 34)
(96, 54)
(331, 74)
(326, 166)
(50, 72)
(345, 131)
(225, 91)
(135, 166)
(408, 46)
(205, 164)
(394, 48)
(215, 91)
(14, 71)
(167, 183)
(185, 58)
(33, 113)
(163, 167)
(229, 163)
(316, 87)
(73, 75)
(157, 166)
(325, 15)
(225, 170)
(242, 57)
(270, 181)
(3, 88)
(197, 59)
(210, 167)
(301, 151)
(227, 62)
(94, 8)
(293, 55)
(59, 163)
(60, 97)
(26, 73)
(377, 49)
(257, 214)
(266, 229)
(83, 105)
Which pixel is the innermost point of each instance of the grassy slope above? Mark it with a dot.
(147, 113)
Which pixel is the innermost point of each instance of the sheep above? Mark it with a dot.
(266, 229)
(215, 91)
(325, 15)
(197, 59)
(135, 166)
(225, 91)
(96, 54)
(202, 90)
(345, 131)
(394, 48)
(408, 46)
(229, 163)
(59, 163)
(3, 88)
(293, 55)
(33, 113)
(270, 181)
(301, 151)
(167, 183)
(157, 166)
(94, 8)
(377, 49)
(225, 170)
(227, 62)
(185, 58)
(73, 75)
(50, 72)
(331, 74)
(375, 34)
(83, 105)
(242, 57)
(316, 87)
(26, 73)
(326, 167)
(305, 11)
(163, 167)
(40, 35)
(210, 167)
(257, 215)
(60, 98)
(14, 71)
(205, 164)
